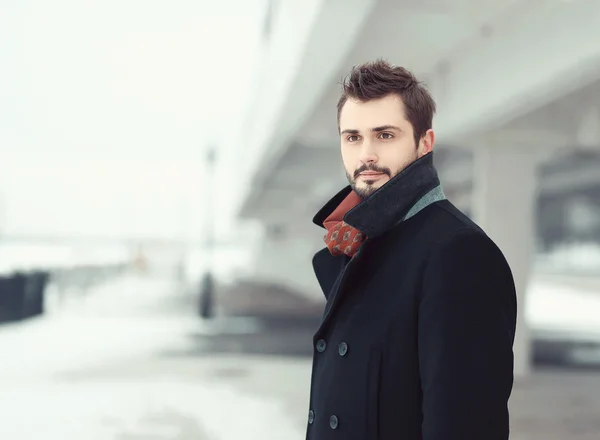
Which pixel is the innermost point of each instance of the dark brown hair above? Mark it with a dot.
(378, 79)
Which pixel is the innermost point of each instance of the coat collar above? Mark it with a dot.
(391, 203)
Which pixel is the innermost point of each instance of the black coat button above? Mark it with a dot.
(311, 417)
(321, 345)
(343, 349)
(333, 422)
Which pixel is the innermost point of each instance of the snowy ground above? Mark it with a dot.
(126, 362)
(95, 371)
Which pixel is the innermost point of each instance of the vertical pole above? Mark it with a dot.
(183, 248)
(207, 292)
(210, 216)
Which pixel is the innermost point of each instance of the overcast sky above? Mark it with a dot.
(105, 106)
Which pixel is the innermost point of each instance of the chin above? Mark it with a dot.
(365, 189)
(373, 184)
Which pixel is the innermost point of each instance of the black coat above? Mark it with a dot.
(416, 339)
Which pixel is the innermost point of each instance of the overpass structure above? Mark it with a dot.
(516, 82)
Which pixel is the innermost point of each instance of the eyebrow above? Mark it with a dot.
(374, 129)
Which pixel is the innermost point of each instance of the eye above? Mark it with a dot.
(352, 138)
(386, 135)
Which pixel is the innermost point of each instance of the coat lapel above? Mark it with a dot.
(354, 267)
(327, 269)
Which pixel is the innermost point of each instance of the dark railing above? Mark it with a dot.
(22, 293)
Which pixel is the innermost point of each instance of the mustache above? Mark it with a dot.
(373, 168)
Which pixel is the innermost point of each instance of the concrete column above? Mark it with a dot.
(505, 186)
(284, 256)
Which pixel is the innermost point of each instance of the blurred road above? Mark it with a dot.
(131, 362)
(126, 361)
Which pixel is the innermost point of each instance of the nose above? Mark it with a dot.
(368, 153)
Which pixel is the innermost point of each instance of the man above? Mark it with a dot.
(416, 339)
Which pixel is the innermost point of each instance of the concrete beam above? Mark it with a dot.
(279, 59)
(317, 61)
(532, 57)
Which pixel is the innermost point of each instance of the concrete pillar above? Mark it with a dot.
(588, 131)
(505, 186)
(284, 256)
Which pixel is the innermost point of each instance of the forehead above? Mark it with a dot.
(359, 115)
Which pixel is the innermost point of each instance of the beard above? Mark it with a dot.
(369, 187)
(364, 192)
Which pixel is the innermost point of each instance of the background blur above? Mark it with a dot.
(160, 164)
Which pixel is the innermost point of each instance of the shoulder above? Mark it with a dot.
(466, 263)
(465, 245)
(449, 240)
(442, 234)
(446, 218)
(440, 225)
(458, 235)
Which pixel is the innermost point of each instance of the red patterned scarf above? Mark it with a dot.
(341, 238)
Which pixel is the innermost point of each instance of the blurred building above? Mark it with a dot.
(518, 124)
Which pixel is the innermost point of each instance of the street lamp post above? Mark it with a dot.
(207, 288)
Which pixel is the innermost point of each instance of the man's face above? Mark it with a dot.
(378, 142)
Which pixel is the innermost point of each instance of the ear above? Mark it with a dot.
(426, 143)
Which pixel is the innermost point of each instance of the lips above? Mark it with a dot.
(371, 175)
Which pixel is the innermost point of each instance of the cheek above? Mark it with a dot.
(399, 156)
(349, 158)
